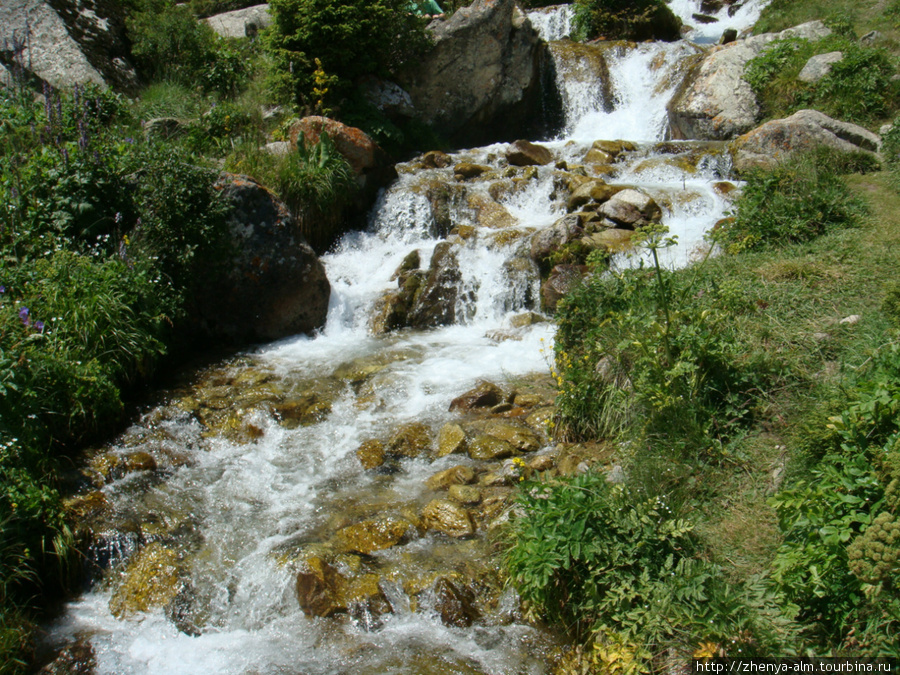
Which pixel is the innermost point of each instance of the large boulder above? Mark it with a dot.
(805, 130)
(64, 43)
(715, 102)
(240, 23)
(274, 285)
(480, 81)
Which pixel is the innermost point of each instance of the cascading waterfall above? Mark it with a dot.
(239, 496)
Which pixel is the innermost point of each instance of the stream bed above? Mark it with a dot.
(333, 504)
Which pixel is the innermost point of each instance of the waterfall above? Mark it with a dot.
(554, 22)
(240, 495)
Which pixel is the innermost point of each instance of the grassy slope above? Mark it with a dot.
(805, 290)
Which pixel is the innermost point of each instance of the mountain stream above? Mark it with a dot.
(206, 510)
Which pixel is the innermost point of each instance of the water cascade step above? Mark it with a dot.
(326, 504)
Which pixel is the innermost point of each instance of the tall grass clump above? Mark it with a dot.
(313, 179)
(796, 201)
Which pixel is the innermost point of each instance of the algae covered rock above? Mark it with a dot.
(451, 440)
(410, 440)
(448, 517)
(455, 475)
(375, 535)
(321, 590)
(151, 580)
(371, 454)
(489, 448)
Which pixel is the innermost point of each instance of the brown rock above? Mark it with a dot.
(371, 454)
(466, 170)
(562, 279)
(525, 153)
(360, 151)
(451, 440)
(519, 436)
(490, 448)
(464, 494)
(484, 395)
(410, 440)
(374, 535)
(454, 603)
(456, 475)
(447, 517)
(151, 580)
(322, 590)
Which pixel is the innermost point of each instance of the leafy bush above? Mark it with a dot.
(648, 349)
(796, 201)
(349, 38)
(617, 568)
(840, 526)
(858, 88)
(170, 44)
(626, 20)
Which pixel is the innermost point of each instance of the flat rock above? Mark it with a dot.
(448, 517)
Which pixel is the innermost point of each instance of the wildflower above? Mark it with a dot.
(2, 289)
(39, 326)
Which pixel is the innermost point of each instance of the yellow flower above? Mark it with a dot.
(707, 651)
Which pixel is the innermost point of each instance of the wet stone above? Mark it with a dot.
(151, 580)
(447, 517)
(410, 440)
(451, 440)
(371, 454)
(520, 437)
(77, 658)
(484, 395)
(456, 475)
(375, 535)
(464, 494)
(321, 590)
(488, 448)
(454, 603)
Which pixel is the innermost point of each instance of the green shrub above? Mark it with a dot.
(348, 38)
(169, 43)
(625, 20)
(798, 200)
(654, 351)
(840, 524)
(315, 181)
(617, 568)
(858, 88)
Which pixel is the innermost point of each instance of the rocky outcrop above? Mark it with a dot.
(480, 82)
(240, 23)
(803, 131)
(63, 43)
(274, 285)
(715, 102)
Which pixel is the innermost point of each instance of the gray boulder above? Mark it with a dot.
(240, 23)
(805, 130)
(274, 285)
(480, 81)
(715, 102)
(64, 44)
(819, 66)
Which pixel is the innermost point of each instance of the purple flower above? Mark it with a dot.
(39, 326)
(2, 289)
(23, 315)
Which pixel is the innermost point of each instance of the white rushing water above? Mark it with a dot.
(241, 508)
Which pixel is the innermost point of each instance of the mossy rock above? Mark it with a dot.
(371, 454)
(374, 535)
(455, 475)
(410, 440)
(488, 448)
(151, 580)
(448, 517)
(451, 440)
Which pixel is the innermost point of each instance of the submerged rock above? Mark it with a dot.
(371, 454)
(321, 590)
